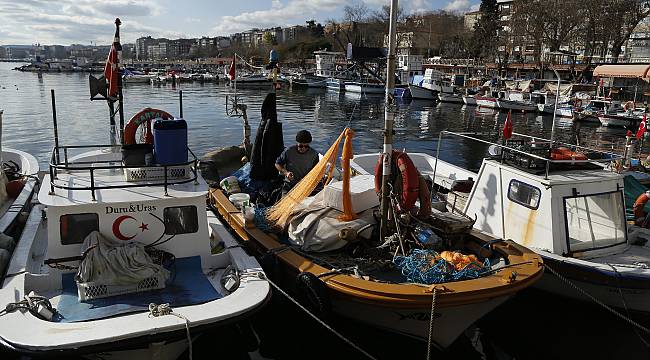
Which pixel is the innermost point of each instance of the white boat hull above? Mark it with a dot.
(419, 92)
(617, 121)
(469, 100)
(487, 102)
(364, 88)
(336, 84)
(562, 111)
(449, 323)
(450, 98)
(515, 105)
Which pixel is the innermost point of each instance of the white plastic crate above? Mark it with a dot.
(97, 290)
(157, 173)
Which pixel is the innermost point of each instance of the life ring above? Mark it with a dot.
(639, 204)
(142, 116)
(629, 105)
(410, 178)
(339, 68)
(563, 153)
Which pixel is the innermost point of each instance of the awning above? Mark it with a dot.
(623, 71)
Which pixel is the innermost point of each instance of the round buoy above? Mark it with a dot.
(314, 293)
(14, 187)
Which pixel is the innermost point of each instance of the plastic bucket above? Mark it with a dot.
(240, 199)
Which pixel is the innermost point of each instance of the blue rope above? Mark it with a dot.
(421, 267)
(260, 219)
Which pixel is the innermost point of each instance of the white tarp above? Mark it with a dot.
(521, 85)
(565, 89)
(114, 262)
(315, 227)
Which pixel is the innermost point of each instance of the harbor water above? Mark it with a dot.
(532, 325)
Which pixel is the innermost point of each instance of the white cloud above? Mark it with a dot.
(458, 5)
(293, 12)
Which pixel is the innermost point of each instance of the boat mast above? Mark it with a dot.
(388, 119)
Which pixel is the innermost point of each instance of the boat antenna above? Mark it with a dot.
(388, 120)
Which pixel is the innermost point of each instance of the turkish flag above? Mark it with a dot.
(642, 128)
(507, 127)
(231, 72)
(112, 67)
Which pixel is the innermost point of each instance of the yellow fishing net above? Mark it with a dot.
(279, 213)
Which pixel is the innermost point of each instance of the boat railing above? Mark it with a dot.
(57, 164)
(607, 156)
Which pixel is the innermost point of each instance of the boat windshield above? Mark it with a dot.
(595, 221)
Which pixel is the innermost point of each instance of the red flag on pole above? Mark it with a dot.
(507, 127)
(231, 72)
(112, 67)
(642, 128)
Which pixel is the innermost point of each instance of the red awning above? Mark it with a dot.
(623, 71)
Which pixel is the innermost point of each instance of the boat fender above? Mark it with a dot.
(314, 293)
(639, 204)
(14, 187)
(563, 153)
(424, 195)
(141, 117)
(410, 178)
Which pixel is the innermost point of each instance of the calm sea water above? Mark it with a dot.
(533, 325)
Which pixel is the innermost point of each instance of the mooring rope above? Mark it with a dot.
(156, 310)
(431, 321)
(325, 325)
(627, 311)
(608, 308)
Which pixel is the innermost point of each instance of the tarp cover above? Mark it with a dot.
(565, 89)
(315, 227)
(623, 71)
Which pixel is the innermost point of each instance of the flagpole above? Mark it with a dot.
(120, 95)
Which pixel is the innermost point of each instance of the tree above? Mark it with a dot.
(269, 39)
(355, 12)
(487, 28)
(623, 17)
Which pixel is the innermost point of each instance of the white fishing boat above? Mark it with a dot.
(450, 98)
(252, 81)
(364, 87)
(420, 92)
(136, 79)
(120, 257)
(566, 208)
(336, 84)
(469, 100)
(308, 81)
(545, 102)
(515, 100)
(18, 181)
(486, 101)
(595, 108)
(620, 119)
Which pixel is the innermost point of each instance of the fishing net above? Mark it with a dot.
(279, 213)
(428, 267)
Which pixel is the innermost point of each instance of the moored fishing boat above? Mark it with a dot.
(364, 87)
(559, 203)
(469, 100)
(486, 101)
(327, 247)
(419, 92)
(119, 257)
(144, 225)
(18, 181)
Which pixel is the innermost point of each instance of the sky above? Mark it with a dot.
(68, 22)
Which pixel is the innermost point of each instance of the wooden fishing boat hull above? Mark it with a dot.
(618, 120)
(458, 304)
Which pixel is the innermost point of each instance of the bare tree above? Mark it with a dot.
(623, 17)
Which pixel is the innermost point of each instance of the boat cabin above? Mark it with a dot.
(96, 191)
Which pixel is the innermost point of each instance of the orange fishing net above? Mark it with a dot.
(279, 213)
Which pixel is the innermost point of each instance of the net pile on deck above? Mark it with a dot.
(429, 267)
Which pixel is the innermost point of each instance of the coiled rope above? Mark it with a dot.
(608, 308)
(339, 335)
(156, 310)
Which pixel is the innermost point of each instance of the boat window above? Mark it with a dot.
(181, 220)
(595, 221)
(524, 194)
(75, 227)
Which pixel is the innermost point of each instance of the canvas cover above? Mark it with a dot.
(315, 227)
